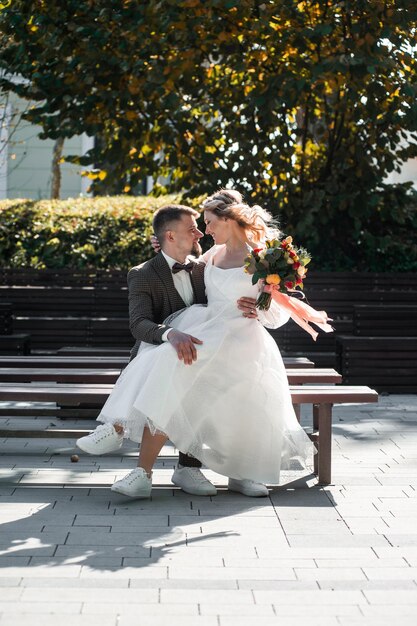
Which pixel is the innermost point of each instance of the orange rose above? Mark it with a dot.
(273, 279)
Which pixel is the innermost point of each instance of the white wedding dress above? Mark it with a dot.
(231, 408)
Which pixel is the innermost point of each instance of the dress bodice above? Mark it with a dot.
(225, 286)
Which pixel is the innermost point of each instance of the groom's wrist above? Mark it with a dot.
(165, 335)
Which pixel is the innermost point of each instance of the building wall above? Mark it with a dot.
(25, 172)
(408, 173)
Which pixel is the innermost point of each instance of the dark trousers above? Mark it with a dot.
(188, 461)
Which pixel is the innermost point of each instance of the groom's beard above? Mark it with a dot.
(196, 250)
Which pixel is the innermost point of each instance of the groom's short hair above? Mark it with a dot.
(165, 216)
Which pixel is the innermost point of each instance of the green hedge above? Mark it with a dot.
(114, 232)
(100, 233)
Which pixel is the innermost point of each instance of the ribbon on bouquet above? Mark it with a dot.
(301, 312)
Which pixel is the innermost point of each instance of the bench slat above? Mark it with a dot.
(300, 394)
(103, 375)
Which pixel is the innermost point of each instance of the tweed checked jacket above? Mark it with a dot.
(152, 297)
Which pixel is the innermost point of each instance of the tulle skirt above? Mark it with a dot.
(231, 409)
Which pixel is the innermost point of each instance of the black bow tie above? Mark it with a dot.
(178, 267)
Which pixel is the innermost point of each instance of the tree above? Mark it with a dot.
(306, 105)
(56, 169)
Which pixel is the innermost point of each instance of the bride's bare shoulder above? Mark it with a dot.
(210, 253)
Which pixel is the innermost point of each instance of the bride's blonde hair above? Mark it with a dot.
(257, 223)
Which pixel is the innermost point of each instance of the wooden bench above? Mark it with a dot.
(323, 398)
(18, 344)
(63, 361)
(52, 333)
(105, 351)
(388, 320)
(94, 362)
(109, 376)
(386, 363)
(6, 321)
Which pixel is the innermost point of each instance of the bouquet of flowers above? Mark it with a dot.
(279, 264)
(280, 268)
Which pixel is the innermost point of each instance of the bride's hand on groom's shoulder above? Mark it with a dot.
(155, 243)
(184, 345)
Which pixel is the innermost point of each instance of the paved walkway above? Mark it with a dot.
(72, 553)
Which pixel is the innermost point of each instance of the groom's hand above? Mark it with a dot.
(248, 307)
(184, 345)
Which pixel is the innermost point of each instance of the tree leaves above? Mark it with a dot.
(305, 106)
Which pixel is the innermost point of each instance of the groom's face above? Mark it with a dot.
(187, 235)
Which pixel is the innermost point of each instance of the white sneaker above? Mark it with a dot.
(136, 484)
(192, 480)
(103, 439)
(248, 487)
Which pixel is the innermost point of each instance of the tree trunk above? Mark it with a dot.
(56, 169)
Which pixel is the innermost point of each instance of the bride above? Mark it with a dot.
(230, 407)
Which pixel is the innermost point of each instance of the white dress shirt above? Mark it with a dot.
(182, 283)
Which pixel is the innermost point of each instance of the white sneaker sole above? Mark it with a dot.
(194, 491)
(143, 494)
(249, 494)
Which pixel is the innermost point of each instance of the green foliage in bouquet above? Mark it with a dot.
(100, 233)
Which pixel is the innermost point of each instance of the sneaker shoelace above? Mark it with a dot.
(130, 478)
(102, 432)
(198, 477)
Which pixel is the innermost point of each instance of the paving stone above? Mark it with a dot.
(46, 619)
(403, 539)
(50, 607)
(74, 583)
(154, 521)
(319, 551)
(103, 538)
(10, 561)
(71, 571)
(337, 540)
(228, 573)
(174, 620)
(391, 573)
(181, 583)
(245, 610)
(179, 559)
(329, 573)
(362, 585)
(397, 597)
(10, 582)
(277, 563)
(29, 594)
(149, 572)
(180, 596)
(305, 612)
(277, 621)
(276, 584)
(304, 526)
(101, 551)
(306, 598)
(370, 563)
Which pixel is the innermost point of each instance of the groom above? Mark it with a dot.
(157, 288)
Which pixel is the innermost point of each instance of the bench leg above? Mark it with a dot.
(297, 411)
(316, 408)
(325, 444)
